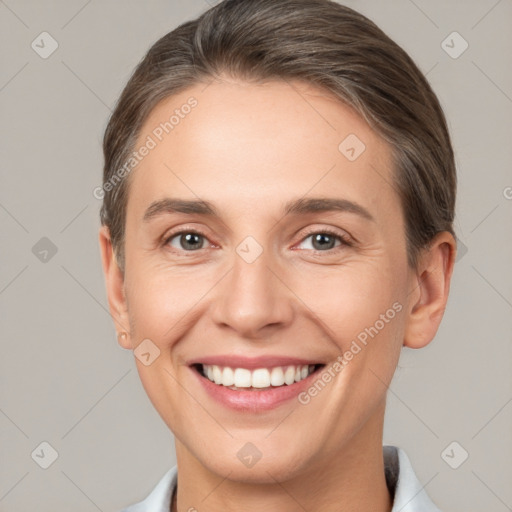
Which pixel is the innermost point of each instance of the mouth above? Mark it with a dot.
(257, 379)
(254, 384)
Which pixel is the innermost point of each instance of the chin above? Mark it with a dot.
(246, 465)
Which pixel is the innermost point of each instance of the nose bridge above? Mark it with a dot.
(252, 296)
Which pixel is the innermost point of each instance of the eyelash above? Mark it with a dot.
(344, 239)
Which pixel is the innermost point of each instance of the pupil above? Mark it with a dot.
(320, 237)
(188, 238)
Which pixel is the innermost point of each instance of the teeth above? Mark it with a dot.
(242, 378)
(228, 377)
(289, 375)
(259, 378)
(277, 376)
(217, 375)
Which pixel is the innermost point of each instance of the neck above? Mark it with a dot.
(350, 480)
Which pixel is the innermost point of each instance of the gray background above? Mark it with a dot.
(66, 381)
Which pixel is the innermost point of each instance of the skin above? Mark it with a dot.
(248, 149)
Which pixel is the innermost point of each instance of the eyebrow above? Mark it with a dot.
(300, 206)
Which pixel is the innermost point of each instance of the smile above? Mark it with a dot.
(258, 378)
(254, 384)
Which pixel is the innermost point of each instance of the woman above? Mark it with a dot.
(277, 223)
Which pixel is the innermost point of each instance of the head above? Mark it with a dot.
(217, 240)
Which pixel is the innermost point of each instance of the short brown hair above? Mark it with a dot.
(317, 41)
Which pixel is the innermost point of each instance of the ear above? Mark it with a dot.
(114, 280)
(430, 289)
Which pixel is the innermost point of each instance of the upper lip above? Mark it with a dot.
(252, 363)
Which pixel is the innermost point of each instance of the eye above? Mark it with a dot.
(324, 240)
(186, 240)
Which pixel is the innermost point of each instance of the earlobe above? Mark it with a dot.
(429, 291)
(114, 281)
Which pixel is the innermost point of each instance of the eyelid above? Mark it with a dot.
(182, 230)
(345, 238)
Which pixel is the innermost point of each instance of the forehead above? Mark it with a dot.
(248, 146)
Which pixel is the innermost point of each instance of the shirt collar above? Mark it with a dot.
(409, 494)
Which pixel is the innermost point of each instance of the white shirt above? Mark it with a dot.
(409, 495)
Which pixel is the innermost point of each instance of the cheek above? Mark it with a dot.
(164, 302)
(352, 298)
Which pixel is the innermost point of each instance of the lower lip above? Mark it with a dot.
(255, 400)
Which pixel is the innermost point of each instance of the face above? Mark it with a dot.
(263, 234)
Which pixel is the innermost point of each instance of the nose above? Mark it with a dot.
(253, 300)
